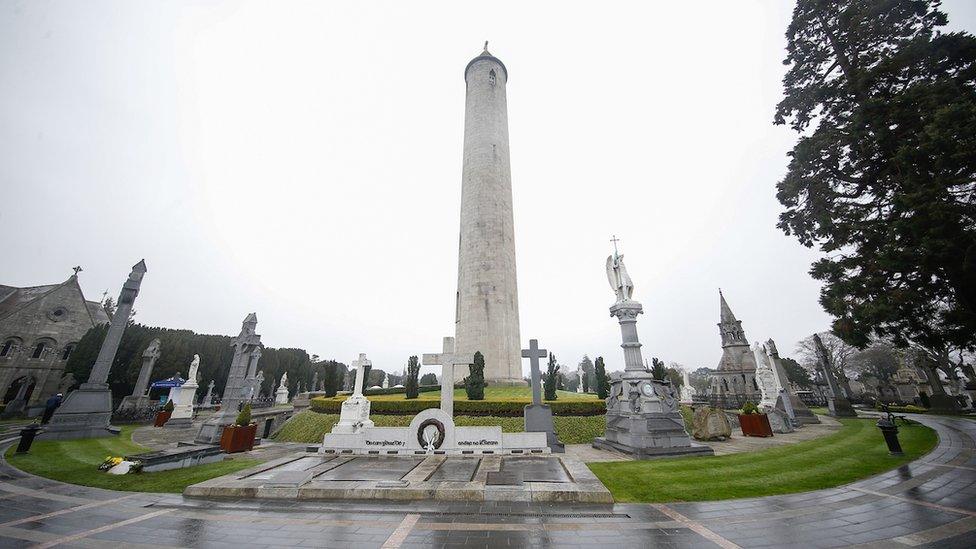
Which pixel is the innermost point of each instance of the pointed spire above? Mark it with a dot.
(726, 312)
(140, 267)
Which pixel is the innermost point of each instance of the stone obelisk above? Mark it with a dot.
(487, 297)
(87, 411)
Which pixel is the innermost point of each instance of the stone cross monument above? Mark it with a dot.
(687, 391)
(140, 393)
(642, 413)
(208, 399)
(448, 359)
(247, 351)
(787, 400)
(837, 402)
(87, 411)
(487, 295)
(538, 416)
(354, 415)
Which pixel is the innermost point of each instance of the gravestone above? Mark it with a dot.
(447, 359)
(837, 402)
(183, 398)
(687, 391)
(711, 424)
(787, 399)
(208, 398)
(538, 416)
(779, 422)
(247, 351)
(140, 393)
(87, 411)
(354, 414)
(281, 395)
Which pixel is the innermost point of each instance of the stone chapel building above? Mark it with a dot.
(734, 382)
(39, 328)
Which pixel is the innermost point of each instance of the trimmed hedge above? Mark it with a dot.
(503, 408)
(401, 390)
(909, 409)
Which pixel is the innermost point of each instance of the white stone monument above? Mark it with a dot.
(184, 397)
(354, 416)
(431, 431)
(386, 381)
(765, 377)
(281, 395)
(687, 391)
(580, 372)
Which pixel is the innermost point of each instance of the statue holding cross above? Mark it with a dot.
(447, 359)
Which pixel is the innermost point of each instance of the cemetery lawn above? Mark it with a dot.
(856, 451)
(310, 427)
(76, 462)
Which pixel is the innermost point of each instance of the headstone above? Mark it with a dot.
(779, 422)
(787, 399)
(642, 413)
(247, 352)
(86, 412)
(183, 398)
(687, 391)
(447, 359)
(837, 403)
(354, 415)
(538, 416)
(711, 424)
(281, 395)
(765, 378)
(140, 393)
(208, 399)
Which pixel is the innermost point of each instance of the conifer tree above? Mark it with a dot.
(602, 380)
(549, 379)
(474, 384)
(413, 369)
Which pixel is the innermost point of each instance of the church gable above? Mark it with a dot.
(60, 313)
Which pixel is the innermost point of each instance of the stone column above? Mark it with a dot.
(106, 355)
(626, 313)
(149, 357)
(87, 412)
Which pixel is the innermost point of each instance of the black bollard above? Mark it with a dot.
(890, 432)
(27, 435)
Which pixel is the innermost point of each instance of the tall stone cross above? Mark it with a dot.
(357, 389)
(447, 360)
(534, 353)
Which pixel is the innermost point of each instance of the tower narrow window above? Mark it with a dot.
(38, 351)
(5, 350)
(491, 77)
(67, 351)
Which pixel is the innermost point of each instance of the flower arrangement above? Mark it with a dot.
(111, 462)
(749, 408)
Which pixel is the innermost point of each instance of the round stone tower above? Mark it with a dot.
(487, 296)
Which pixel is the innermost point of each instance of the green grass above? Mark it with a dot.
(310, 427)
(856, 451)
(491, 393)
(76, 462)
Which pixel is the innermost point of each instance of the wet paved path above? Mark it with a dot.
(928, 503)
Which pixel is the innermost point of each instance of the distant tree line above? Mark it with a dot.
(177, 348)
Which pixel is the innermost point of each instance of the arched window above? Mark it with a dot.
(38, 350)
(491, 77)
(7, 348)
(68, 349)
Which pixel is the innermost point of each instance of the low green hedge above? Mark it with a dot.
(401, 390)
(503, 408)
(908, 409)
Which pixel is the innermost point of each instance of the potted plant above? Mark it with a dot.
(239, 436)
(163, 415)
(753, 422)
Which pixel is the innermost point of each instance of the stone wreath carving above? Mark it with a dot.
(665, 393)
(428, 443)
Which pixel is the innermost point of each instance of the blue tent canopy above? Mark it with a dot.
(168, 383)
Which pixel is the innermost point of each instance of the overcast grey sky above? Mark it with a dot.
(303, 160)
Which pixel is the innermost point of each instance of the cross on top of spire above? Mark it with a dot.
(614, 240)
(77, 269)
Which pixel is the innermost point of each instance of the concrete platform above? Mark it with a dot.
(309, 476)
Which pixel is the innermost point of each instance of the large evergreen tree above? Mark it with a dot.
(883, 177)
(549, 379)
(474, 384)
(587, 365)
(602, 380)
(412, 385)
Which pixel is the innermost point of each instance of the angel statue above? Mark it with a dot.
(191, 376)
(620, 281)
